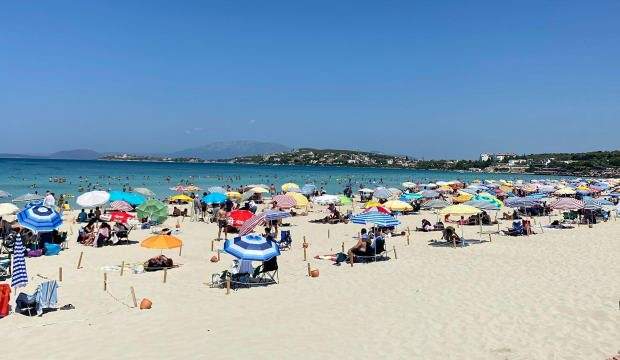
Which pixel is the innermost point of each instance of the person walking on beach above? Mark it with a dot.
(197, 204)
(49, 200)
(222, 223)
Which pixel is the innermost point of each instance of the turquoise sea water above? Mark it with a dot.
(19, 176)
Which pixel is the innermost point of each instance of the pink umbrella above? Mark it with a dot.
(284, 201)
(120, 205)
(567, 204)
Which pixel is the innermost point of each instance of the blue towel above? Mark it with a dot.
(46, 296)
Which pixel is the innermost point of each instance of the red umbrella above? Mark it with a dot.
(120, 216)
(239, 217)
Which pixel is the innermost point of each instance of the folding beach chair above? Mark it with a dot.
(285, 240)
(123, 235)
(267, 273)
(374, 253)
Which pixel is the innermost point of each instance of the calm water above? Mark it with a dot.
(19, 176)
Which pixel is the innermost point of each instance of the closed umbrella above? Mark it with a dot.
(252, 247)
(19, 275)
(93, 199)
(39, 218)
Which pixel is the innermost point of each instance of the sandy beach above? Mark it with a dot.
(553, 295)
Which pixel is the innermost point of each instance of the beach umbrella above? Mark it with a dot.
(39, 218)
(366, 191)
(459, 210)
(395, 191)
(179, 188)
(28, 197)
(397, 205)
(252, 247)
(482, 205)
(181, 197)
(462, 197)
(547, 189)
(288, 186)
(161, 242)
(93, 199)
(19, 275)
(489, 198)
(374, 217)
(266, 187)
(258, 190)
(154, 210)
(382, 193)
(119, 216)
(408, 197)
(234, 195)
(567, 204)
(435, 204)
(214, 198)
(239, 217)
(216, 189)
(521, 202)
(294, 190)
(592, 204)
(192, 188)
(429, 194)
(144, 191)
(409, 185)
(128, 197)
(249, 225)
(8, 209)
(326, 200)
(380, 209)
(272, 215)
(344, 200)
(300, 200)
(120, 205)
(308, 189)
(370, 204)
(429, 186)
(565, 191)
(4, 194)
(284, 201)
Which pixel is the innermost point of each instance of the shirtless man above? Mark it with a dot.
(222, 223)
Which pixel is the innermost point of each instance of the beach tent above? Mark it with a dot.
(93, 199)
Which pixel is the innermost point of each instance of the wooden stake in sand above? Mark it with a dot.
(133, 296)
(395, 256)
(309, 270)
(79, 265)
(180, 249)
(105, 281)
(227, 284)
(212, 244)
(408, 242)
(305, 246)
(122, 267)
(165, 275)
(351, 257)
(60, 274)
(328, 233)
(343, 246)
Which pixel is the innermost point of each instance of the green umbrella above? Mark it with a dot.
(344, 200)
(154, 210)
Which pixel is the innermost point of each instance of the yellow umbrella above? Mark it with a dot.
(463, 197)
(397, 205)
(288, 186)
(565, 191)
(460, 210)
(234, 195)
(162, 242)
(300, 200)
(181, 197)
(372, 204)
(259, 190)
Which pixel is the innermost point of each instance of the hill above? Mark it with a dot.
(230, 149)
(77, 154)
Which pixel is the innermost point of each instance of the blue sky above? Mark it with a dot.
(429, 79)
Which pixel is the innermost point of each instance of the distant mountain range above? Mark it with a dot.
(212, 151)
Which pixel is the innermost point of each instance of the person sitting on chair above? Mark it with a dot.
(360, 248)
(82, 216)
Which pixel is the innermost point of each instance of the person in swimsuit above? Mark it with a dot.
(222, 224)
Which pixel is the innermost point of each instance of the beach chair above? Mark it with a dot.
(374, 253)
(285, 240)
(123, 235)
(516, 230)
(267, 273)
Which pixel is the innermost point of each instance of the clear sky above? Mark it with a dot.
(432, 79)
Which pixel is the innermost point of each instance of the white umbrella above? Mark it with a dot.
(144, 191)
(93, 199)
(326, 200)
(8, 209)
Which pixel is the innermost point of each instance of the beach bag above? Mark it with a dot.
(34, 253)
(52, 249)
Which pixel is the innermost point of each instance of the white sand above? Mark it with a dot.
(549, 296)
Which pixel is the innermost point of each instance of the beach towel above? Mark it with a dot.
(46, 296)
(5, 298)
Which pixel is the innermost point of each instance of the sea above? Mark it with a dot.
(20, 176)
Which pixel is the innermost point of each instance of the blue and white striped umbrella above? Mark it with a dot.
(376, 218)
(39, 218)
(252, 247)
(19, 277)
(271, 215)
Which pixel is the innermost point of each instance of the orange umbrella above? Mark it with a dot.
(162, 242)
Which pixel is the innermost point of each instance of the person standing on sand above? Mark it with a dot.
(197, 205)
(222, 223)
